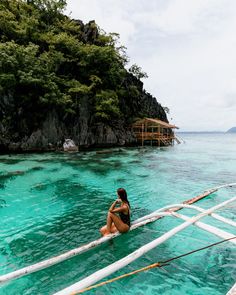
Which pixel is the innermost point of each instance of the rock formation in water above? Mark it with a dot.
(63, 79)
(69, 146)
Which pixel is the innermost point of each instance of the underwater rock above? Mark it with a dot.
(2, 203)
(108, 151)
(17, 172)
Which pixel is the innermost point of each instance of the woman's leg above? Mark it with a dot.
(120, 225)
(104, 231)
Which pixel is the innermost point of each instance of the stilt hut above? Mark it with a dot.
(154, 132)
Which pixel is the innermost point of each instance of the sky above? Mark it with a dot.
(187, 48)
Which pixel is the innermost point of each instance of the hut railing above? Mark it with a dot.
(153, 135)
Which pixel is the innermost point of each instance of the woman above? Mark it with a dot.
(119, 223)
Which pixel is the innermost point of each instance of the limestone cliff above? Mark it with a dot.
(52, 81)
(82, 128)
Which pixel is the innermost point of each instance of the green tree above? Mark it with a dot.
(107, 105)
(50, 61)
(137, 72)
(166, 109)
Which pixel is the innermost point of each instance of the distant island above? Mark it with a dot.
(232, 130)
(200, 132)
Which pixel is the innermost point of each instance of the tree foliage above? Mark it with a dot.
(107, 105)
(48, 60)
(166, 109)
(137, 71)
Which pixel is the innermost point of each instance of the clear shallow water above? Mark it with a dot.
(56, 202)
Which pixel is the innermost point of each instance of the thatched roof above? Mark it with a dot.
(153, 122)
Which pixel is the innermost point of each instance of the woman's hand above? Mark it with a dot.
(114, 204)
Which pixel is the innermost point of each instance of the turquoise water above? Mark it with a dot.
(51, 203)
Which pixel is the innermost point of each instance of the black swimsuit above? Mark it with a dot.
(125, 218)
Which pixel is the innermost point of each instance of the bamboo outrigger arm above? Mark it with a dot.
(209, 228)
(216, 216)
(232, 291)
(139, 222)
(108, 270)
(177, 207)
(181, 206)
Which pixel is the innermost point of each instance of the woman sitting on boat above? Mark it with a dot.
(119, 223)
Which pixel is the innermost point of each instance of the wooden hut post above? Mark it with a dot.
(159, 135)
(152, 136)
(142, 133)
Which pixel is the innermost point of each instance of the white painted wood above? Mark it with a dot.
(106, 271)
(209, 228)
(223, 219)
(232, 291)
(214, 215)
(168, 209)
(224, 185)
(52, 261)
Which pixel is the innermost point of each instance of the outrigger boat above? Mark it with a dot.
(160, 213)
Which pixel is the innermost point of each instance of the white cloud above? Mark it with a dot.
(187, 47)
(186, 16)
(111, 16)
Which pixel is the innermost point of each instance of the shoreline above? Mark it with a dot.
(95, 148)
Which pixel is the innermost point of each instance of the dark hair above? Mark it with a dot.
(123, 195)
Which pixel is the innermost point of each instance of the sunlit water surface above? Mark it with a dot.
(51, 203)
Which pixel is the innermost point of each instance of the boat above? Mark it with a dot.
(170, 211)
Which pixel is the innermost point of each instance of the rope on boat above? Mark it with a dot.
(151, 266)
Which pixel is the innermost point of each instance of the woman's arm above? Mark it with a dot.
(113, 205)
(123, 208)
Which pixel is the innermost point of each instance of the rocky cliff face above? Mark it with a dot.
(18, 134)
(83, 129)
